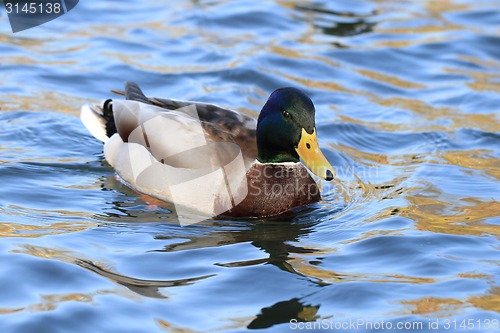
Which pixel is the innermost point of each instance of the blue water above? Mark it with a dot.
(407, 96)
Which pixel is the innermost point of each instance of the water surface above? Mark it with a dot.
(407, 99)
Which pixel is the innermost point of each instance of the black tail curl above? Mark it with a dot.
(107, 114)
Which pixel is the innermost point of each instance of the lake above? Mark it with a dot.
(407, 95)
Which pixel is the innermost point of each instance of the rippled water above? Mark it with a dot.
(407, 95)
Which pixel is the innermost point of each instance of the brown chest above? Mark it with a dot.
(276, 188)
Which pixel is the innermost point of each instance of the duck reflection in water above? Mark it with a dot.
(275, 238)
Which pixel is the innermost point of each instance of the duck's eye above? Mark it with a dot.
(285, 114)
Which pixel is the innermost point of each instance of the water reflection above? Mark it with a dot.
(52, 301)
(337, 23)
(274, 238)
(148, 288)
(407, 109)
(32, 231)
(442, 217)
(447, 306)
(489, 302)
(284, 312)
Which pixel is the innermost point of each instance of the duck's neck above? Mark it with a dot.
(271, 156)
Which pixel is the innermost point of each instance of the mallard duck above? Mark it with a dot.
(212, 160)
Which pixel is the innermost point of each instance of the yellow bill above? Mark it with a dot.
(313, 158)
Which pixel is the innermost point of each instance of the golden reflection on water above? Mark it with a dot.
(45, 100)
(421, 30)
(489, 302)
(444, 307)
(294, 54)
(408, 34)
(325, 85)
(34, 231)
(487, 79)
(51, 302)
(24, 60)
(435, 306)
(303, 267)
(134, 61)
(28, 43)
(391, 79)
(482, 81)
(477, 159)
(428, 113)
(404, 32)
(362, 156)
(45, 228)
(442, 217)
(492, 64)
(172, 328)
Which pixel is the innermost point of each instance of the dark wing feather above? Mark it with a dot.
(220, 124)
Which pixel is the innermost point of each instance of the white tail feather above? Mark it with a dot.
(94, 122)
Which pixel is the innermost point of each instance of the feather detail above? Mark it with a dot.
(94, 121)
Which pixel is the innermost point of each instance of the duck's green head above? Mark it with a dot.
(286, 132)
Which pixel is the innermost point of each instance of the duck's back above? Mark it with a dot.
(219, 124)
